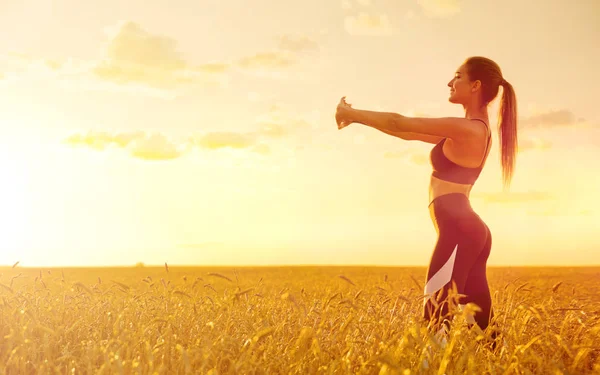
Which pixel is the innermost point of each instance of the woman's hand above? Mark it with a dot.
(342, 114)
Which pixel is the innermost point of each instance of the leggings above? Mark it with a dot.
(459, 260)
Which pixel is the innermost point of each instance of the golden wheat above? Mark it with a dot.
(299, 320)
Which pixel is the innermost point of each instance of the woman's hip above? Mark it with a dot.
(453, 211)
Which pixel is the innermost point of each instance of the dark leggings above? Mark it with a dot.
(459, 258)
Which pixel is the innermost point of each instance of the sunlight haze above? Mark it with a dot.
(204, 133)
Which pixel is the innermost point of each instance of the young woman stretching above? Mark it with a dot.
(460, 152)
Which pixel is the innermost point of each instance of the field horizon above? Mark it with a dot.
(268, 266)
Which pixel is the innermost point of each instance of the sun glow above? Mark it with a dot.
(14, 208)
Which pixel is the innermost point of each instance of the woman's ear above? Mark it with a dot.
(475, 86)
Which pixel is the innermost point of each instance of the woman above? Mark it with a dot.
(460, 152)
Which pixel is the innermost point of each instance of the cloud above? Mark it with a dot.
(267, 60)
(124, 139)
(272, 130)
(440, 8)
(548, 119)
(134, 61)
(97, 141)
(217, 140)
(232, 140)
(275, 63)
(297, 43)
(213, 68)
(133, 55)
(514, 197)
(279, 123)
(140, 62)
(102, 140)
(15, 66)
(155, 147)
(275, 124)
(530, 144)
(368, 24)
(140, 145)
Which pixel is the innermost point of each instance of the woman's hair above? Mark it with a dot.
(490, 75)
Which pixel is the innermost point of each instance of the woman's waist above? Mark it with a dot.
(449, 200)
(439, 187)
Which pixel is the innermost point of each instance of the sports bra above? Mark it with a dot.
(445, 169)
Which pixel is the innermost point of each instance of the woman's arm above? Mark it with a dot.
(407, 136)
(445, 127)
(457, 129)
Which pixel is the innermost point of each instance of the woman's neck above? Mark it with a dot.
(472, 112)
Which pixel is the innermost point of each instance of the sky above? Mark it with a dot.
(203, 132)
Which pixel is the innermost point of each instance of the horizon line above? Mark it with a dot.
(285, 265)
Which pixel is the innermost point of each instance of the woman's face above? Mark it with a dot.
(461, 87)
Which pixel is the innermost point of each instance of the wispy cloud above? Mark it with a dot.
(514, 197)
(364, 20)
(279, 121)
(139, 61)
(440, 8)
(134, 60)
(100, 140)
(217, 140)
(134, 55)
(213, 68)
(274, 125)
(267, 60)
(297, 43)
(231, 140)
(289, 50)
(155, 147)
(15, 66)
(534, 144)
(139, 145)
(368, 24)
(549, 119)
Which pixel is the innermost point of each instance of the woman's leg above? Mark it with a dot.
(462, 243)
(477, 288)
(450, 264)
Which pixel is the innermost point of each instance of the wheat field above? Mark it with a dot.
(287, 320)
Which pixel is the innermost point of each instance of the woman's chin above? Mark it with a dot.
(453, 99)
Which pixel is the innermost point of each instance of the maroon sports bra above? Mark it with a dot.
(446, 170)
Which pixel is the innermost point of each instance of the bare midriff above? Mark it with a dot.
(439, 187)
